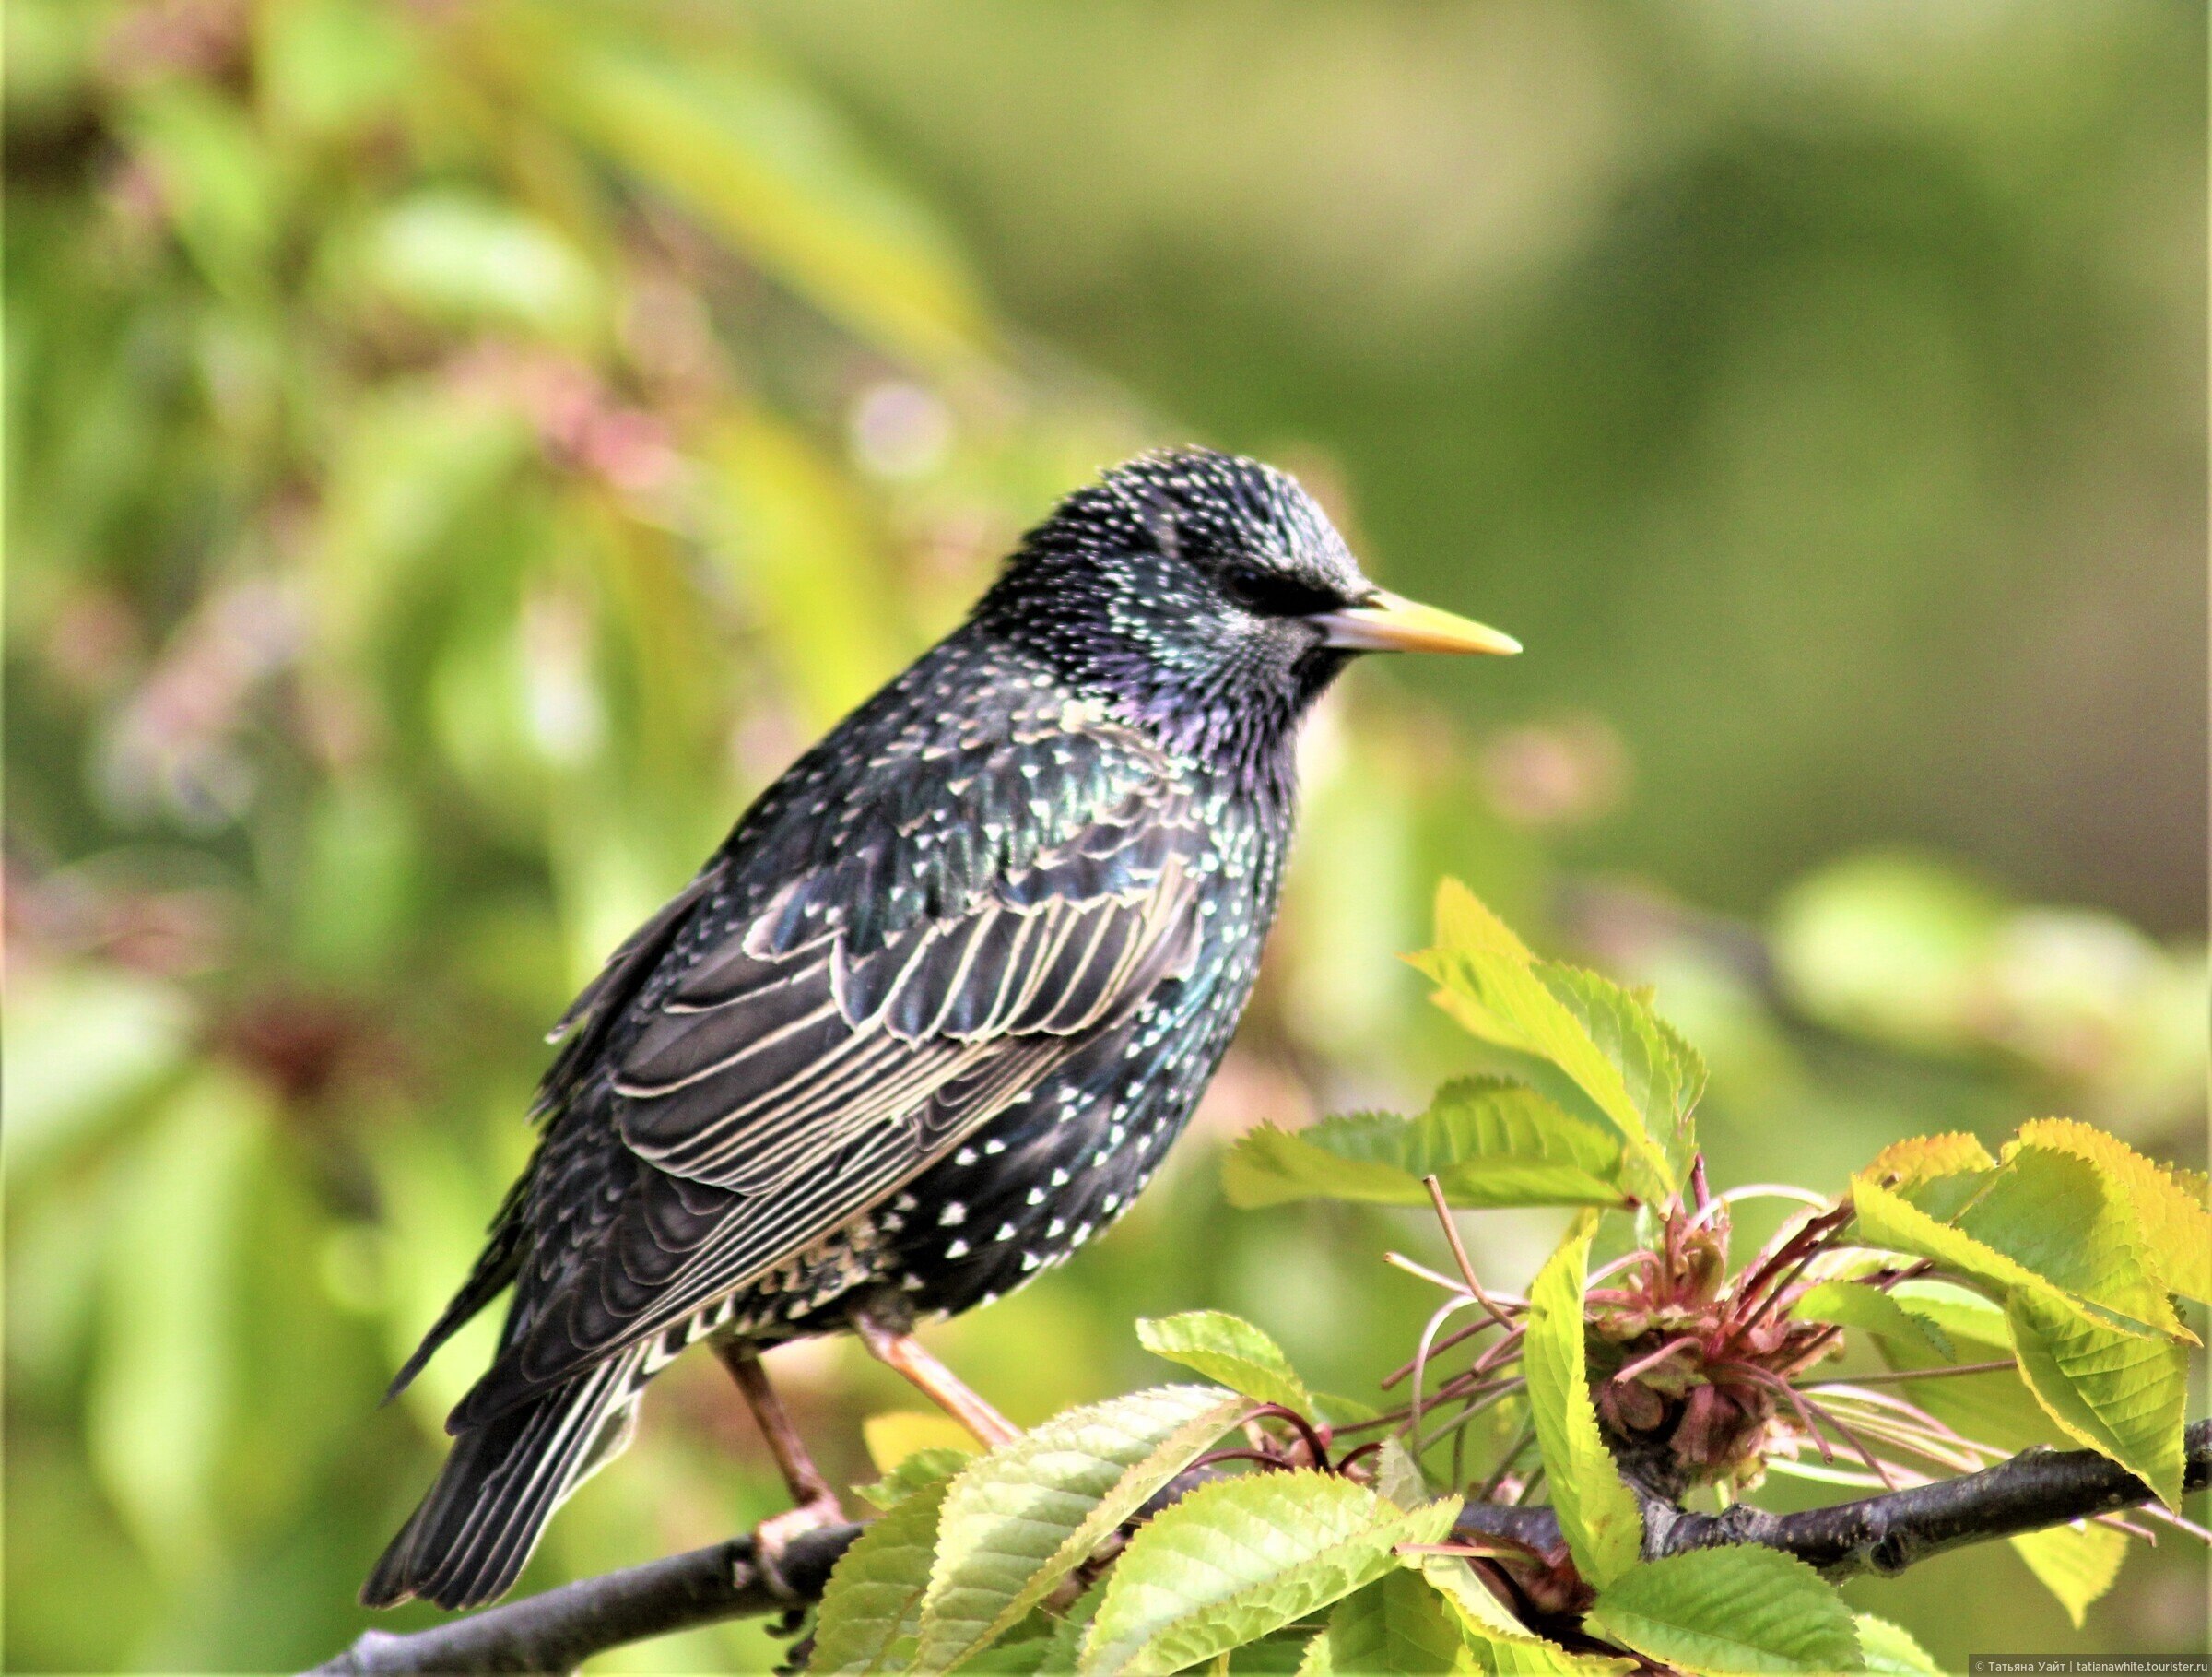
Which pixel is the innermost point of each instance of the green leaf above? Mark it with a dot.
(1905, 1165)
(1064, 1651)
(872, 1608)
(1976, 1328)
(1496, 989)
(1742, 1609)
(2174, 1205)
(1021, 1518)
(2069, 1220)
(1890, 1649)
(1597, 1512)
(1398, 1477)
(1351, 1157)
(2076, 1563)
(1397, 1626)
(1242, 1557)
(1227, 1349)
(1663, 1075)
(915, 1471)
(2105, 1257)
(2116, 1392)
(1488, 1143)
(1855, 1304)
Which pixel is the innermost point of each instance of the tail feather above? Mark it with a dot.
(483, 1517)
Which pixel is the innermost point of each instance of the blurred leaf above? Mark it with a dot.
(1228, 1350)
(1241, 1557)
(1890, 1649)
(466, 258)
(325, 65)
(160, 1378)
(2076, 1563)
(1888, 944)
(2117, 1392)
(1490, 984)
(1030, 1512)
(220, 180)
(763, 163)
(357, 878)
(1398, 1477)
(873, 1604)
(82, 1043)
(1488, 1143)
(1597, 1513)
(1743, 1609)
(416, 456)
(804, 560)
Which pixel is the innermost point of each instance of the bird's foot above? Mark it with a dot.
(772, 1536)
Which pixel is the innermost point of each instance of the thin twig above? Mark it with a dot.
(1904, 1374)
(1459, 1250)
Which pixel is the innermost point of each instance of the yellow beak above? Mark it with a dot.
(1391, 622)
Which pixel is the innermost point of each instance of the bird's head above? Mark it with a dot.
(1208, 596)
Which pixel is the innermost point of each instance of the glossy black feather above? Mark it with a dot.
(929, 1018)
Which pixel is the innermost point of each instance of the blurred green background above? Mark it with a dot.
(460, 450)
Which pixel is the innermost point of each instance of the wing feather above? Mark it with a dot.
(795, 1075)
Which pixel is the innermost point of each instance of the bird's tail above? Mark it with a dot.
(500, 1485)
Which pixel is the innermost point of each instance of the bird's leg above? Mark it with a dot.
(813, 1503)
(937, 1383)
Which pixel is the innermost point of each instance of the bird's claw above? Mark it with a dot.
(772, 1536)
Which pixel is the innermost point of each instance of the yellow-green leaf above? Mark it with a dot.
(2076, 1563)
(2119, 1393)
(1891, 1650)
(2175, 1205)
(1227, 1349)
(873, 1605)
(1488, 1143)
(1021, 1518)
(1597, 1512)
(1503, 1645)
(1242, 1557)
(1488, 981)
(1904, 1164)
(1721, 1612)
(1855, 1304)
(1397, 1626)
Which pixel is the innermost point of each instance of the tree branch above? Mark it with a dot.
(1888, 1533)
(558, 1630)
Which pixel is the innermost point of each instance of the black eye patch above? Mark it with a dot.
(1275, 593)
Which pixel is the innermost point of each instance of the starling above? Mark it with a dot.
(928, 1020)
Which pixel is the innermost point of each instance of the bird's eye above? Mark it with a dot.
(1272, 593)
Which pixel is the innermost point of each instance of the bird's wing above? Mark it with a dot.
(773, 1094)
